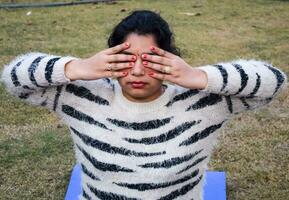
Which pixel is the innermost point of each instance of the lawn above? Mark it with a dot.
(36, 155)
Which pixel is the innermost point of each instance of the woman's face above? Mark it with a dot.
(150, 88)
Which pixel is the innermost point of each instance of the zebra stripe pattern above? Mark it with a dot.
(142, 126)
(49, 69)
(83, 92)
(134, 151)
(112, 149)
(32, 68)
(153, 186)
(14, 76)
(72, 112)
(171, 134)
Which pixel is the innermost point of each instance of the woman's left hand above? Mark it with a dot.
(172, 68)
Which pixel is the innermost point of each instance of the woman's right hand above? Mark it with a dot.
(96, 67)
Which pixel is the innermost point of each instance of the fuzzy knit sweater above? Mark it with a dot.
(153, 150)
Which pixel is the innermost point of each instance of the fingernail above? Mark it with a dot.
(144, 55)
(151, 73)
(133, 58)
(126, 44)
(153, 48)
(145, 62)
(124, 73)
(131, 64)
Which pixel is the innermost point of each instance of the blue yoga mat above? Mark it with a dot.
(214, 189)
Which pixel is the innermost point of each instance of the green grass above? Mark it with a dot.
(36, 151)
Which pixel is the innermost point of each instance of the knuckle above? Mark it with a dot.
(117, 57)
(175, 75)
(155, 59)
(112, 74)
(108, 74)
(114, 57)
(119, 66)
(177, 69)
(114, 66)
(112, 49)
(117, 74)
(121, 57)
(115, 50)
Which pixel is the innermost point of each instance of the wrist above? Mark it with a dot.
(200, 79)
(70, 69)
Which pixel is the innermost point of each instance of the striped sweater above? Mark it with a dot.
(153, 150)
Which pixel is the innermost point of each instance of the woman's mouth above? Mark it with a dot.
(138, 84)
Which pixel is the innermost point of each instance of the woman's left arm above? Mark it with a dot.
(246, 84)
(250, 83)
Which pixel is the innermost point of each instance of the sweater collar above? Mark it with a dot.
(156, 104)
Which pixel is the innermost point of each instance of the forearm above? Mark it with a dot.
(37, 78)
(244, 78)
(35, 71)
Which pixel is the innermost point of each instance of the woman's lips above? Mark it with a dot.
(138, 84)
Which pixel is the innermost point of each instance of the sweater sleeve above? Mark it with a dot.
(246, 84)
(36, 78)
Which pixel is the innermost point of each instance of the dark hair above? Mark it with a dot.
(144, 22)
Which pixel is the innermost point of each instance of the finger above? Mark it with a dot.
(154, 66)
(115, 74)
(121, 66)
(117, 48)
(161, 52)
(157, 59)
(164, 77)
(120, 58)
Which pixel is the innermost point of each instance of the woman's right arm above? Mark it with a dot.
(38, 78)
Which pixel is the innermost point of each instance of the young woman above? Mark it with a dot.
(144, 122)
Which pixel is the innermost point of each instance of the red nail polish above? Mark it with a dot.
(124, 73)
(144, 56)
(151, 73)
(153, 48)
(145, 62)
(133, 58)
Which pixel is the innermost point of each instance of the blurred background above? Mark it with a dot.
(36, 151)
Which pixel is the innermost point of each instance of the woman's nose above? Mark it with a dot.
(138, 69)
